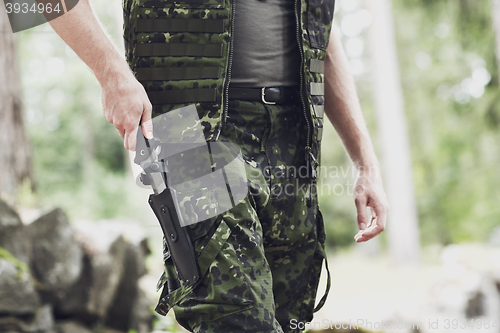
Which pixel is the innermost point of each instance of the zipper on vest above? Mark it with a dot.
(229, 65)
(301, 51)
(310, 159)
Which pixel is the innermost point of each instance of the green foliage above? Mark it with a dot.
(78, 157)
(454, 136)
(22, 268)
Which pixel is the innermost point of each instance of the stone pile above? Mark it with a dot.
(60, 278)
(466, 296)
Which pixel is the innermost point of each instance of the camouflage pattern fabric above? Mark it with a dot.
(314, 22)
(260, 261)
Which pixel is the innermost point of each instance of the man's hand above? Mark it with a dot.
(124, 102)
(369, 192)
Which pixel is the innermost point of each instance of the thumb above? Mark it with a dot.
(147, 123)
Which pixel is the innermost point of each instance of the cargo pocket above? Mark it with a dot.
(173, 291)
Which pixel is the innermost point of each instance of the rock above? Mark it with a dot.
(17, 291)
(13, 237)
(71, 327)
(44, 320)
(86, 275)
(41, 321)
(142, 316)
(466, 292)
(56, 258)
(120, 312)
(130, 308)
(102, 269)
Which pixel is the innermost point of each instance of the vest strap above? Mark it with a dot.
(180, 25)
(179, 50)
(317, 66)
(328, 285)
(176, 73)
(317, 88)
(319, 136)
(182, 96)
(319, 110)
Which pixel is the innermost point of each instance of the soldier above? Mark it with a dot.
(262, 73)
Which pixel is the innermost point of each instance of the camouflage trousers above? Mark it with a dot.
(260, 261)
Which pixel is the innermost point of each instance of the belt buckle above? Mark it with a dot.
(263, 95)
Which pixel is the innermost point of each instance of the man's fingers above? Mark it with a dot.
(147, 123)
(123, 105)
(369, 233)
(377, 223)
(125, 140)
(130, 139)
(381, 211)
(360, 202)
(122, 132)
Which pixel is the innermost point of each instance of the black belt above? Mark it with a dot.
(266, 95)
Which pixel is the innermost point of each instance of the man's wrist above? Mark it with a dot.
(113, 72)
(367, 159)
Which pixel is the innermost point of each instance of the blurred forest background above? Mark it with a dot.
(448, 76)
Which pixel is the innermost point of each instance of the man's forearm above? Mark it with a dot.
(344, 111)
(124, 100)
(342, 105)
(81, 30)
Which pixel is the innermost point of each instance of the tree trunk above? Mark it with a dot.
(402, 227)
(15, 166)
(495, 14)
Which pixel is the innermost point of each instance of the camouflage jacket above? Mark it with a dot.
(181, 51)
